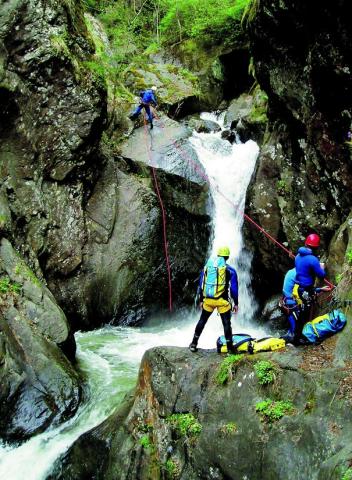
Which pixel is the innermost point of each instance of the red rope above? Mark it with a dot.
(244, 215)
(163, 214)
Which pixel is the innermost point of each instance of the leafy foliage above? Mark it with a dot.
(265, 372)
(347, 475)
(137, 30)
(6, 286)
(349, 256)
(209, 21)
(147, 443)
(172, 469)
(272, 411)
(229, 428)
(225, 370)
(186, 424)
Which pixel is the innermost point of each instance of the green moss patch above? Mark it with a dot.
(347, 475)
(271, 411)
(229, 429)
(227, 369)
(185, 424)
(265, 371)
(6, 286)
(172, 469)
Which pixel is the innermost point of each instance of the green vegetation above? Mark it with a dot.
(3, 220)
(172, 469)
(27, 273)
(282, 187)
(206, 21)
(347, 475)
(186, 424)
(272, 411)
(265, 372)
(139, 29)
(229, 428)
(6, 286)
(338, 278)
(225, 371)
(146, 443)
(349, 256)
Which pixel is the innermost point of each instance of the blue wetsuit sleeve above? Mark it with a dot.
(154, 100)
(319, 272)
(233, 284)
(199, 289)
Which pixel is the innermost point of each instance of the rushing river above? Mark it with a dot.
(109, 357)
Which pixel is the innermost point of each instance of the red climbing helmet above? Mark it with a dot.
(313, 240)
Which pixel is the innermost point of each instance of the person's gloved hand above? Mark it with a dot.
(235, 309)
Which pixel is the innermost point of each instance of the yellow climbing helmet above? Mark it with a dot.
(223, 252)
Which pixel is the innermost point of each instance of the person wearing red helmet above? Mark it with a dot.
(308, 269)
(307, 264)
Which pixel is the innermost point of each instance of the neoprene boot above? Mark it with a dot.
(151, 126)
(230, 347)
(193, 344)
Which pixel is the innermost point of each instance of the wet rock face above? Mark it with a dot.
(39, 386)
(231, 435)
(302, 60)
(123, 278)
(51, 121)
(88, 221)
(48, 109)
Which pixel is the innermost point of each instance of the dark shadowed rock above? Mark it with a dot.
(302, 61)
(39, 386)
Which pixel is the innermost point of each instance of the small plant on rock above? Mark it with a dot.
(347, 475)
(6, 286)
(186, 424)
(229, 429)
(282, 187)
(146, 443)
(172, 469)
(272, 411)
(349, 256)
(226, 368)
(265, 372)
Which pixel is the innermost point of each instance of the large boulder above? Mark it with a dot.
(247, 115)
(39, 386)
(186, 421)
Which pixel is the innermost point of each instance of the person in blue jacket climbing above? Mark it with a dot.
(308, 269)
(218, 281)
(147, 98)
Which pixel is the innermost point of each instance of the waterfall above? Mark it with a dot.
(109, 357)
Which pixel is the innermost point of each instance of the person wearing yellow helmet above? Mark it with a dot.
(218, 281)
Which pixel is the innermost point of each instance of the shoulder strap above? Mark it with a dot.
(241, 342)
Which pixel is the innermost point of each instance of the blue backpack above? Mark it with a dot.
(324, 326)
(148, 96)
(214, 278)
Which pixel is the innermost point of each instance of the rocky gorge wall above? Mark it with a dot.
(77, 218)
(302, 57)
